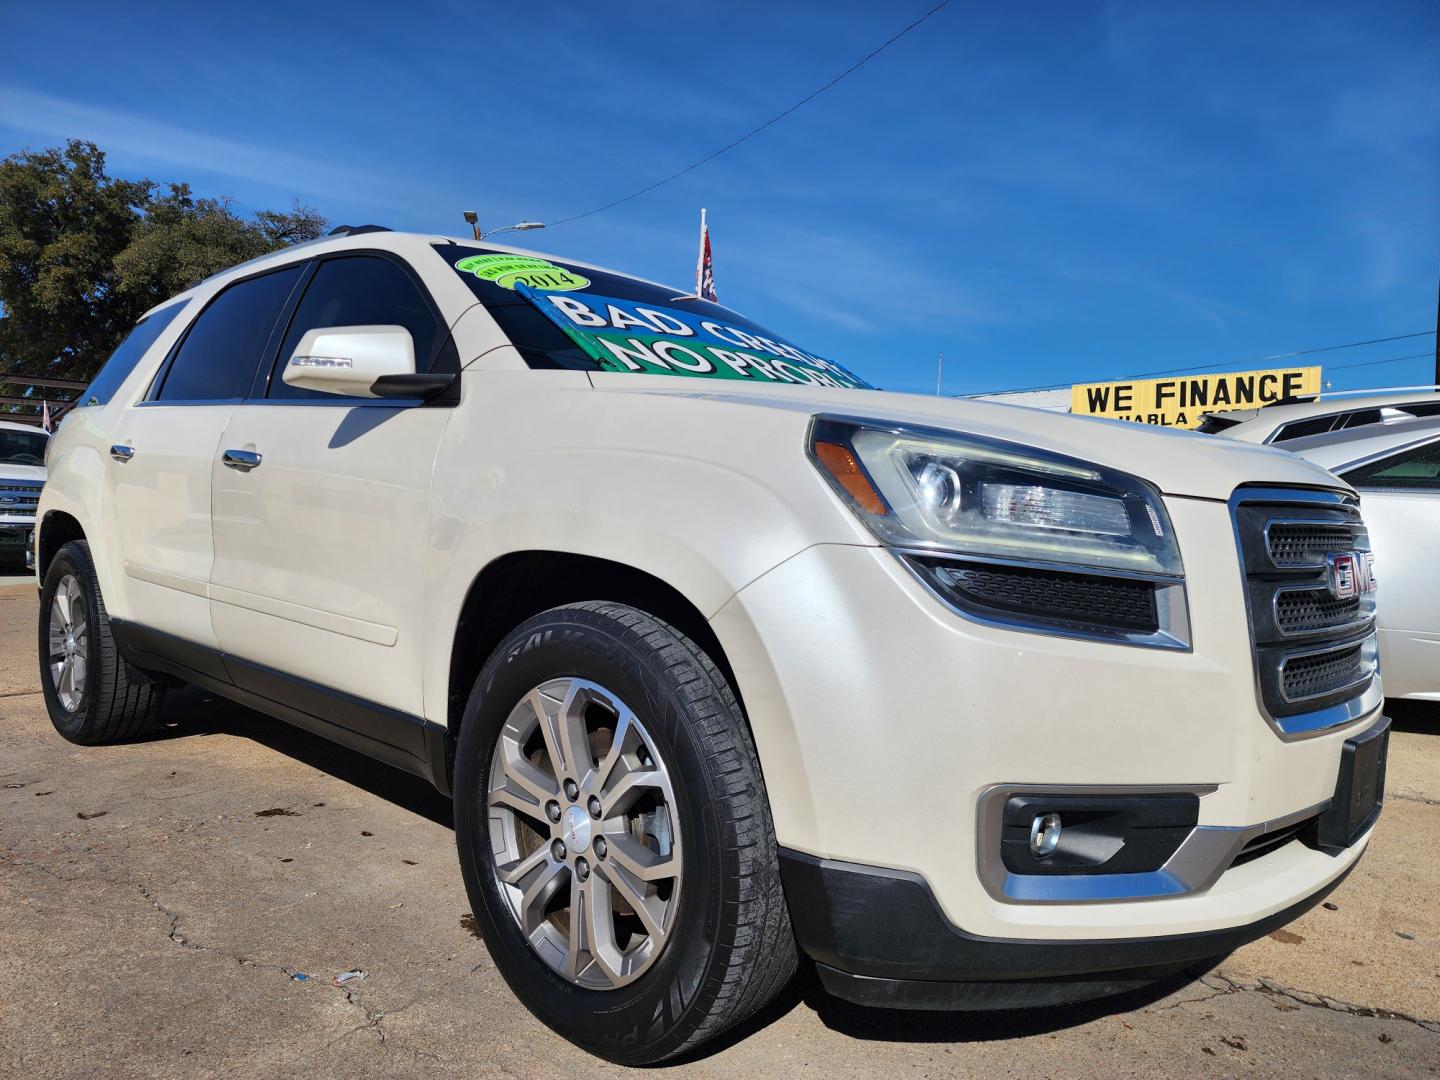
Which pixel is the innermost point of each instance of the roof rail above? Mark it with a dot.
(1373, 390)
(356, 230)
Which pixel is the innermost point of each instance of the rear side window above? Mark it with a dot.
(1301, 428)
(217, 358)
(359, 290)
(1417, 468)
(123, 360)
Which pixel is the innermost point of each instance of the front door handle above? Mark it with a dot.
(120, 452)
(244, 460)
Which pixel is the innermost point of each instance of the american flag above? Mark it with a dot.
(705, 267)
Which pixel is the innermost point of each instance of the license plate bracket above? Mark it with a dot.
(1360, 789)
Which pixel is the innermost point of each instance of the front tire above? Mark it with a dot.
(92, 693)
(615, 837)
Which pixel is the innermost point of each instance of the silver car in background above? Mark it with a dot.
(1396, 469)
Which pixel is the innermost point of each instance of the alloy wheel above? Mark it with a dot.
(69, 643)
(584, 833)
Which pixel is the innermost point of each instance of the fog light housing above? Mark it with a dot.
(1048, 834)
(1044, 835)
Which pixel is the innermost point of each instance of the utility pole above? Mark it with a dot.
(940, 368)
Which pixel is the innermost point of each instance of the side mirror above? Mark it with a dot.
(357, 361)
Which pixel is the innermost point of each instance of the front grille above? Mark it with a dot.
(1294, 543)
(1318, 674)
(1312, 649)
(19, 498)
(1302, 611)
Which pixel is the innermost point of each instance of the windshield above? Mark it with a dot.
(559, 315)
(22, 447)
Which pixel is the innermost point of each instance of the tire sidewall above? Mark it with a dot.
(638, 1021)
(70, 559)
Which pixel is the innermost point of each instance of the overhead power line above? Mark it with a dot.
(1375, 363)
(756, 131)
(1252, 360)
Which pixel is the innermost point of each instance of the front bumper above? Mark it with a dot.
(879, 938)
(884, 720)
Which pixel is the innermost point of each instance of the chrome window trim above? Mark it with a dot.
(1367, 605)
(1310, 724)
(1195, 866)
(1171, 605)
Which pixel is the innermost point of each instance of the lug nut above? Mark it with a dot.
(601, 848)
(557, 850)
(594, 805)
(582, 869)
(552, 811)
(572, 790)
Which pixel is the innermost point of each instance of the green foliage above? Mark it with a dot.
(83, 255)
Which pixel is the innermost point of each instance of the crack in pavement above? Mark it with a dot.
(1231, 985)
(1402, 797)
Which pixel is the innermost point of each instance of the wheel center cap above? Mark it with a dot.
(575, 829)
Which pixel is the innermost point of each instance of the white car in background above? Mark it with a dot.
(1340, 411)
(22, 475)
(1396, 469)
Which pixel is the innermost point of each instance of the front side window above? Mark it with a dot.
(22, 447)
(560, 315)
(217, 358)
(1417, 468)
(359, 290)
(123, 360)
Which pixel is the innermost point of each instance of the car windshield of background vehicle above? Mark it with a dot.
(559, 315)
(1415, 469)
(22, 447)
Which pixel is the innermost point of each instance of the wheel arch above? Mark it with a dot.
(57, 528)
(519, 584)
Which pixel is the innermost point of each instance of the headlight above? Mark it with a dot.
(919, 488)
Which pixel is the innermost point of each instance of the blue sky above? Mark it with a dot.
(1048, 192)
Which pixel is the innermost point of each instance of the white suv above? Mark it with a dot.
(22, 475)
(722, 653)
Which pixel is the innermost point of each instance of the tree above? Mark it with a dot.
(83, 255)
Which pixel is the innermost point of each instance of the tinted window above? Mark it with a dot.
(1301, 428)
(359, 290)
(123, 360)
(218, 356)
(1418, 467)
(1429, 408)
(1363, 418)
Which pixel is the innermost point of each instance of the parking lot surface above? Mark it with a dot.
(182, 906)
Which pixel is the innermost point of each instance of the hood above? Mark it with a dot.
(21, 472)
(1178, 462)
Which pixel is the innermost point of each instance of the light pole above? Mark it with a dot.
(472, 219)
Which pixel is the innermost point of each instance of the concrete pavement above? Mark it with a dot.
(181, 906)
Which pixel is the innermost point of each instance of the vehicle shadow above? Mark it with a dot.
(191, 712)
(1416, 717)
(911, 1026)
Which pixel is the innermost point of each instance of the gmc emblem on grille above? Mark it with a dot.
(1349, 574)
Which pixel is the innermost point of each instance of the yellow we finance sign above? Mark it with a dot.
(1183, 401)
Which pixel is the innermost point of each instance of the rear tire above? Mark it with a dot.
(93, 694)
(726, 945)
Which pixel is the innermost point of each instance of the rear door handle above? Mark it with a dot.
(244, 460)
(121, 452)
